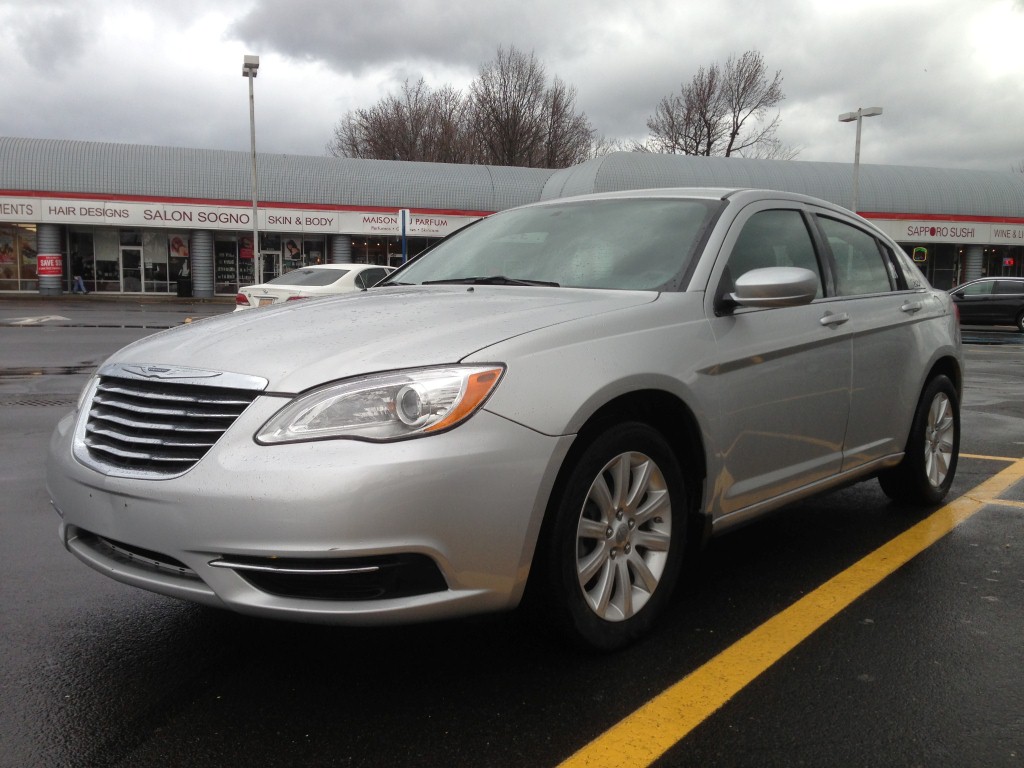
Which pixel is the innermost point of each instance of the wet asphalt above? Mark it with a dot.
(926, 669)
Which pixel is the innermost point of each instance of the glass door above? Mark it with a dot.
(131, 269)
(271, 265)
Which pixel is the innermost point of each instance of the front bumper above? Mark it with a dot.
(377, 521)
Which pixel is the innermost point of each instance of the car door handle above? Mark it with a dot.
(834, 319)
(912, 306)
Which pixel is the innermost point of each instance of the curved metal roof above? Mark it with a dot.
(883, 188)
(67, 167)
(61, 166)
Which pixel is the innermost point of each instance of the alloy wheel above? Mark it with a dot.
(623, 536)
(939, 439)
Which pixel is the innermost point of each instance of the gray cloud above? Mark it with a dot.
(945, 71)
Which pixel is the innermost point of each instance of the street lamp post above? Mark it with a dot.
(249, 66)
(849, 117)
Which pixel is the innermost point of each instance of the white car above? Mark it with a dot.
(310, 282)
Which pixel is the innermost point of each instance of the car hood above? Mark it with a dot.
(304, 344)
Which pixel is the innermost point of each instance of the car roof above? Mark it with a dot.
(989, 278)
(740, 195)
(349, 266)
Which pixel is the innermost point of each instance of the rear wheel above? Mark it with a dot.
(611, 556)
(1020, 322)
(926, 473)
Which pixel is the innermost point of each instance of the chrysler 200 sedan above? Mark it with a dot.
(550, 408)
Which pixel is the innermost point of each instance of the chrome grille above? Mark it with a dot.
(158, 421)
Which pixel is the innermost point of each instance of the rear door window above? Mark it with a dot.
(1005, 287)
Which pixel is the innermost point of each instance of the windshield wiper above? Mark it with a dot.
(490, 280)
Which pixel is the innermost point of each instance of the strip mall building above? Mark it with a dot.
(142, 219)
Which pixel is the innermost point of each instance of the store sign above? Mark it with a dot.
(49, 265)
(418, 224)
(964, 232)
(224, 217)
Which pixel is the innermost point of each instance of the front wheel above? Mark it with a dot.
(926, 473)
(1020, 322)
(611, 555)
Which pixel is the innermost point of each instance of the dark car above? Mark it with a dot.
(991, 301)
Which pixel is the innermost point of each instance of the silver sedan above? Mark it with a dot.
(550, 408)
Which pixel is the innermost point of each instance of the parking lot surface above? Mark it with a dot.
(844, 631)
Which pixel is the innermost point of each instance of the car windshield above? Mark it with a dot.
(309, 276)
(639, 244)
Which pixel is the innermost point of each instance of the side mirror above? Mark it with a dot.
(776, 287)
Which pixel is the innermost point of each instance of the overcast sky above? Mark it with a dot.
(948, 73)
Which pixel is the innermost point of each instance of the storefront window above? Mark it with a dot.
(1003, 261)
(292, 254)
(387, 250)
(155, 278)
(178, 264)
(246, 260)
(225, 265)
(108, 260)
(314, 251)
(83, 260)
(18, 258)
(8, 260)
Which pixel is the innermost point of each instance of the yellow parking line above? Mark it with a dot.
(1008, 503)
(1007, 459)
(649, 732)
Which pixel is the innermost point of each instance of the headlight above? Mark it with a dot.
(389, 406)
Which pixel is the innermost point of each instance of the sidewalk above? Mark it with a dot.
(126, 298)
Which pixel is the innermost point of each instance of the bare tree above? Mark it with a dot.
(668, 127)
(511, 116)
(772, 150)
(508, 108)
(417, 124)
(521, 120)
(722, 111)
(569, 137)
(748, 96)
(602, 145)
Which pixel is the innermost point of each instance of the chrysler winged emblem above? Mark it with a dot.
(168, 372)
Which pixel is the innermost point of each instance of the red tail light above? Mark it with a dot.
(296, 298)
(241, 300)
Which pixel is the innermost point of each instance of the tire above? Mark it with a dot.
(1020, 322)
(611, 552)
(926, 473)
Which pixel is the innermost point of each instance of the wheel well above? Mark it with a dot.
(662, 412)
(667, 414)
(949, 367)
